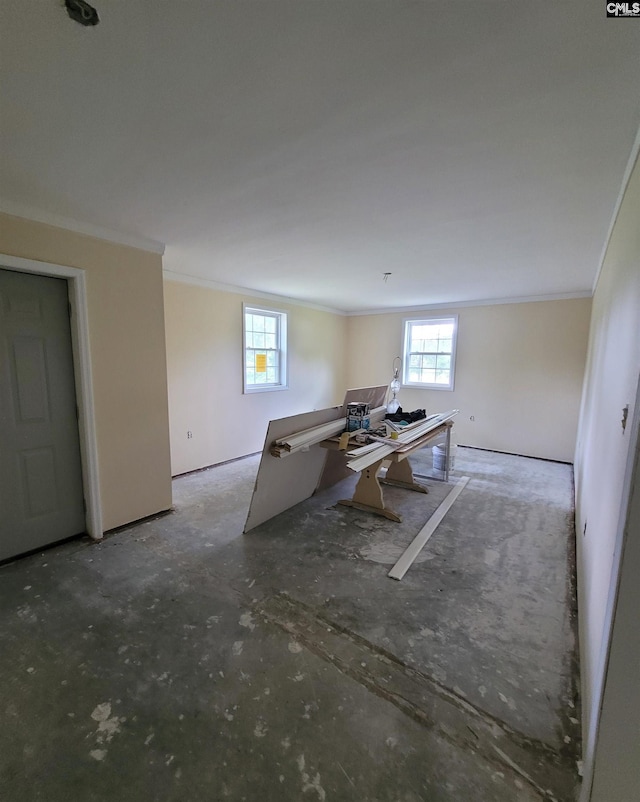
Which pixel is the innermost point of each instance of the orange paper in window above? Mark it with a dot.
(261, 363)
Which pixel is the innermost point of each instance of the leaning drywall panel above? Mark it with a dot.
(374, 396)
(283, 482)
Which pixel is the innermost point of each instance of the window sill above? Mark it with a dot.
(426, 387)
(251, 390)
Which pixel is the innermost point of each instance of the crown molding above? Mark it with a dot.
(247, 292)
(41, 216)
(198, 281)
(631, 163)
(524, 299)
(154, 246)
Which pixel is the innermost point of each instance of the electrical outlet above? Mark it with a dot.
(189, 435)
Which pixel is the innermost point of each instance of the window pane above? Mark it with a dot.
(428, 352)
(265, 337)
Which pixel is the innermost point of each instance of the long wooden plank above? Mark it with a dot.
(417, 544)
(316, 434)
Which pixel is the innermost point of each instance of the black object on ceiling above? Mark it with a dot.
(82, 12)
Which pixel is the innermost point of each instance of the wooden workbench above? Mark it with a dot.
(368, 495)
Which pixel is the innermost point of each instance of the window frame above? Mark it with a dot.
(281, 330)
(413, 321)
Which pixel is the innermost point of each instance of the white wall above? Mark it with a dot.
(617, 758)
(602, 456)
(204, 365)
(519, 372)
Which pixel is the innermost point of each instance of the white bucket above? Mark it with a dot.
(440, 458)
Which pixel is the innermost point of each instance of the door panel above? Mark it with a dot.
(29, 378)
(41, 498)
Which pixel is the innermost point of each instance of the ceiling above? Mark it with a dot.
(474, 150)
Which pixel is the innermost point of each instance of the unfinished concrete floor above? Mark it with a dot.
(181, 660)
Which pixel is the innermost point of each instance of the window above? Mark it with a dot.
(265, 350)
(430, 352)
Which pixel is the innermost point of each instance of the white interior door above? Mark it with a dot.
(41, 493)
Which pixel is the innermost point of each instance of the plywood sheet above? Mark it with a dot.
(283, 482)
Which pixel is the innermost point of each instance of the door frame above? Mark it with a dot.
(79, 319)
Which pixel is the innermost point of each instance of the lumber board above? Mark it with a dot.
(417, 544)
(406, 438)
(308, 437)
